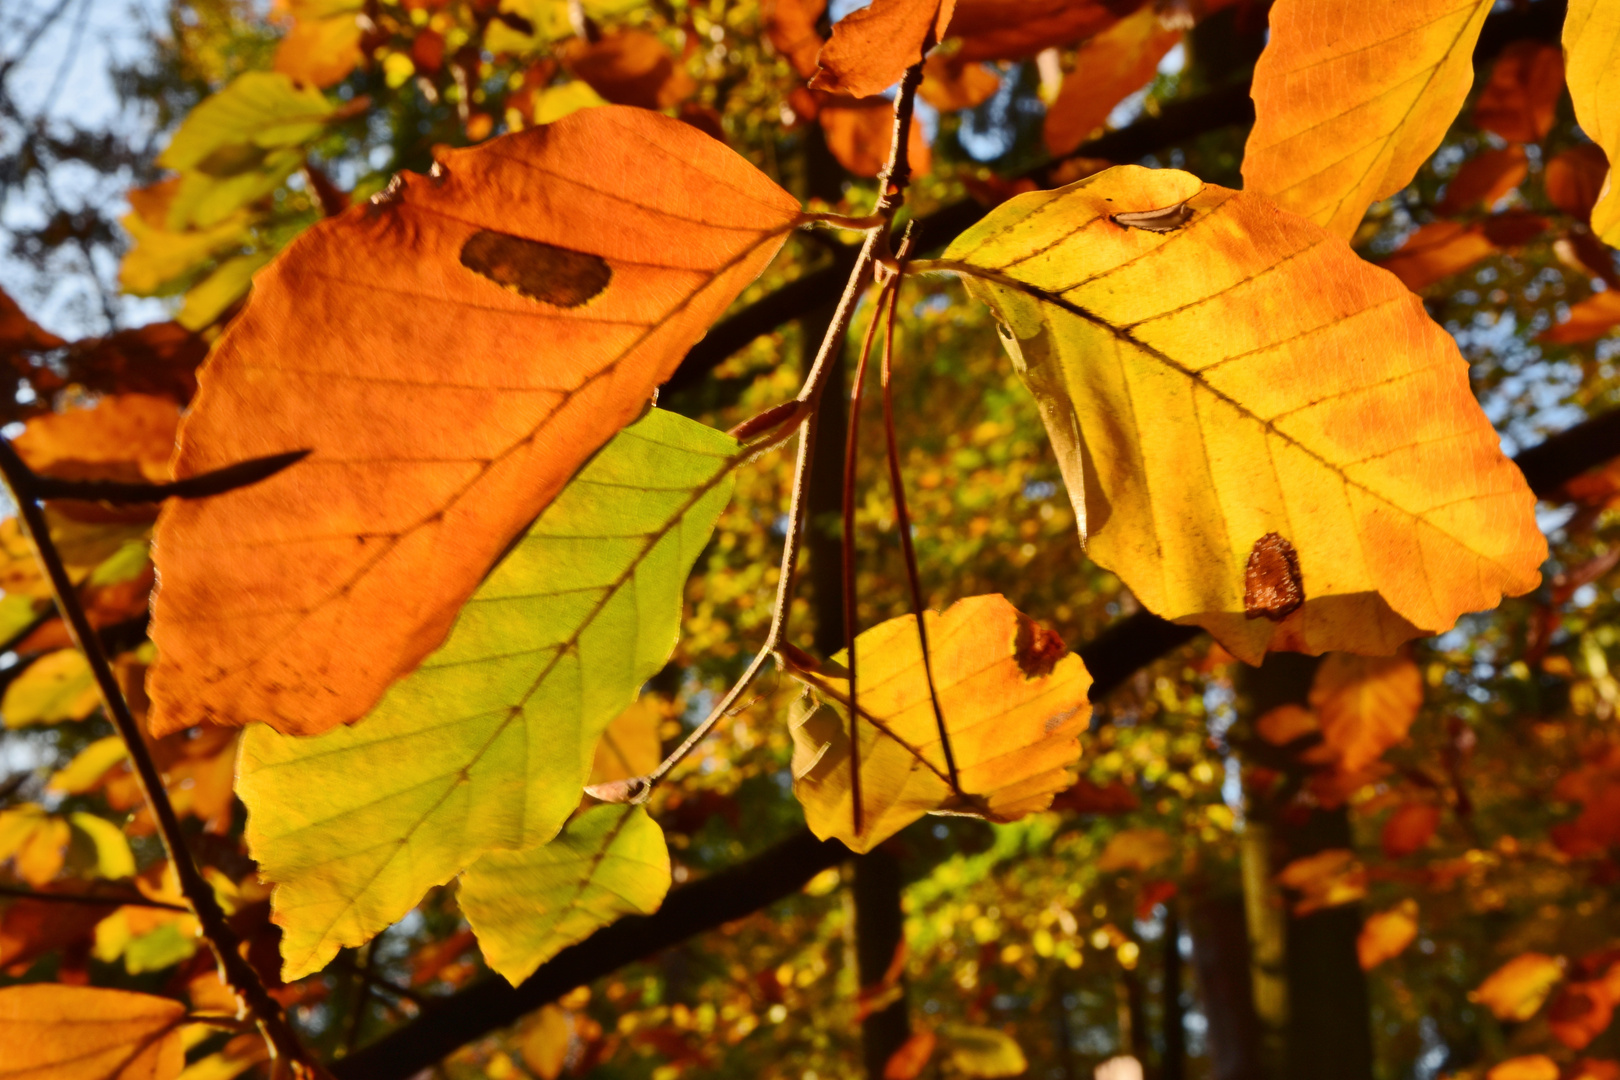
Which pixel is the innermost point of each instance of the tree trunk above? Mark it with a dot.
(1221, 956)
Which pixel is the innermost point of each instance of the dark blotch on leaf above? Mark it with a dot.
(544, 272)
(1037, 649)
(1272, 586)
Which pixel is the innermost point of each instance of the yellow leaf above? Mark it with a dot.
(1592, 68)
(1366, 705)
(527, 906)
(238, 1056)
(1117, 62)
(54, 1032)
(56, 687)
(1327, 879)
(207, 300)
(1516, 990)
(160, 256)
(258, 111)
(981, 1051)
(1136, 849)
(1348, 103)
(545, 1041)
(630, 746)
(1014, 703)
(1266, 436)
(1386, 934)
(113, 857)
(1529, 1067)
(556, 102)
(35, 841)
(474, 339)
(323, 45)
(89, 766)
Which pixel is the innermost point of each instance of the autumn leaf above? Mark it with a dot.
(1484, 179)
(1347, 107)
(986, 1052)
(215, 294)
(791, 27)
(1285, 723)
(1575, 178)
(1013, 700)
(1515, 991)
(545, 1041)
(1136, 849)
(1018, 29)
(1323, 880)
(19, 333)
(1366, 705)
(1588, 320)
(56, 687)
(120, 437)
(950, 85)
(1409, 829)
(630, 745)
(1386, 934)
(630, 67)
(873, 46)
(1580, 1013)
(1117, 62)
(450, 356)
(1528, 1067)
(526, 906)
(1261, 434)
(1438, 250)
(908, 1062)
(1521, 98)
(354, 826)
(859, 134)
(1592, 57)
(35, 842)
(323, 45)
(55, 1032)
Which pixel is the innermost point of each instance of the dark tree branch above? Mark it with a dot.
(231, 477)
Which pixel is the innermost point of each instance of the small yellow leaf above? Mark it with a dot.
(1014, 703)
(545, 1041)
(1366, 705)
(323, 45)
(630, 746)
(981, 1051)
(1326, 879)
(1136, 849)
(113, 857)
(54, 1032)
(1386, 934)
(1592, 55)
(1516, 990)
(56, 687)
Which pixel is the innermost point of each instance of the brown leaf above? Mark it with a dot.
(1366, 704)
(1484, 179)
(1574, 179)
(1409, 829)
(19, 333)
(859, 134)
(791, 27)
(1436, 251)
(1107, 68)
(54, 1032)
(1588, 320)
(950, 84)
(1586, 254)
(446, 391)
(1580, 1013)
(1521, 98)
(630, 67)
(121, 437)
(1515, 228)
(1018, 29)
(159, 358)
(872, 47)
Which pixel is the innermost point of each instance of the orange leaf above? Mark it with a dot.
(53, 1032)
(1117, 62)
(1367, 705)
(323, 45)
(1516, 990)
(1594, 1069)
(1285, 723)
(860, 133)
(1347, 106)
(1529, 1067)
(1485, 179)
(1436, 251)
(19, 333)
(1386, 935)
(908, 1062)
(1136, 849)
(791, 27)
(630, 67)
(871, 48)
(950, 84)
(1017, 29)
(1574, 179)
(1580, 1013)
(451, 354)
(120, 437)
(1588, 320)
(1409, 829)
(1327, 879)
(1519, 101)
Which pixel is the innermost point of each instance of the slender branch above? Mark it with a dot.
(131, 900)
(217, 482)
(237, 973)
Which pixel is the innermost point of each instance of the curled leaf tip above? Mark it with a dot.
(631, 789)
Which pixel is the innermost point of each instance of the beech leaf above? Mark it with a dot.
(1386, 934)
(872, 47)
(1261, 434)
(1018, 29)
(1436, 251)
(1588, 320)
(1520, 101)
(1014, 702)
(56, 1032)
(526, 906)
(488, 745)
(1117, 62)
(1366, 705)
(1347, 106)
(1592, 58)
(1516, 990)
(450, 356)
(323, 45)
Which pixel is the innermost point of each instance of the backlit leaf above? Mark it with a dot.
(1327, 879)
(950, 85)
(860, 133)
(1014, 702)
(1528, 1067)
(260, 110)
(630, 745)
(1285, 723)
(1136, 849)
(1017, 29)
(1574, 178)
(631, 67)
(1350, 101)
(323, 45)
(1521, 98)
(113, 856)
(1438, 250)
(873, 46)
(488, 745)
(526, 906)
(1261, 434)
(450, 355)
(56, 687)
(791, 27)
(1485, 178)
(545, 1042)
(89, 766)
(54, 1032)
(120, 437)
(1409, 829)
(1515, 991)
(1386, 934)
(1366, 705)
(35, 842)
(210, 298)
(908, 1062)
(1588, 320)
(1117, 62)
(1592, 53)
(981, 1051)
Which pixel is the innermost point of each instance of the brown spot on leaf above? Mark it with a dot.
(544, 272)
(1272, 586)
(1164, 219)
(1038, 649)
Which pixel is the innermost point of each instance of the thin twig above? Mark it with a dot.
(902, 519)
(217, 482)
(132, 900)
(234, 969)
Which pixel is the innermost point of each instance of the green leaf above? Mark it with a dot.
(488, 745)
(56, 687)
(229, 282)
(261, 109)
(526, 906)
(982, 1051)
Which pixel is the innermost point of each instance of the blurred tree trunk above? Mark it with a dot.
(1220, 936)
